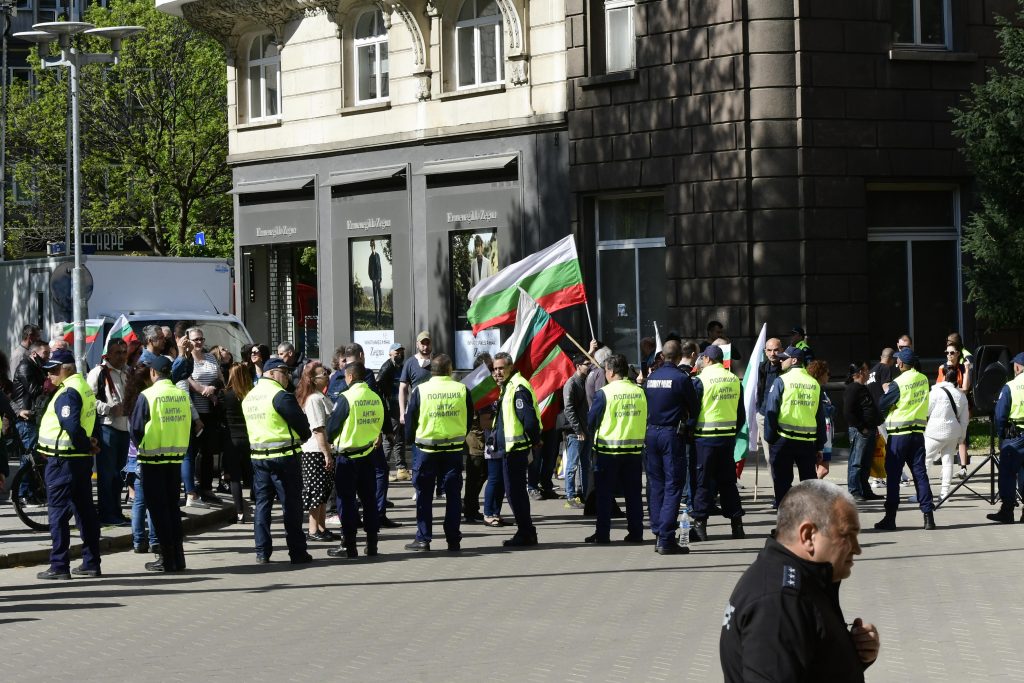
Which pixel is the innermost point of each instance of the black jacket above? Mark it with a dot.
(859, 407)
(29, 378)
(783, 623)
(574, 399)
(386, 378)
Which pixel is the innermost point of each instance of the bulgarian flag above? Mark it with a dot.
(547, 382)
(551, 276)
(747, 438)
(92, 330)
(121, 330)
(482, 387)
(534, 336)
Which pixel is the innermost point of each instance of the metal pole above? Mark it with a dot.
(76, 275)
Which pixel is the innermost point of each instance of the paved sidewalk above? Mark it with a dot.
(945, 603)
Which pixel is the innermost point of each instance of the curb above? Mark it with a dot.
(190, 524)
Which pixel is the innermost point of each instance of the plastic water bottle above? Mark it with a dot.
(684, 527)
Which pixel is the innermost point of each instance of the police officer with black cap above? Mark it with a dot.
(905, 405)
(794, 423)
(1009, 425)
(65, 442)
(671, 402)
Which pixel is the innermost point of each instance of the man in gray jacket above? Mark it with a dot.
(577, 449)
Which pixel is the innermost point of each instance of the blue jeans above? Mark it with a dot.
(494, 491)
(577, 464)
(861, 450)
(109, 462)
(281, 476)
(29, 433)
(139, 507)
(188, 467)
(427, 468)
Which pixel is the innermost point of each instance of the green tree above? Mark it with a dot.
(990, 123)
(154, 137)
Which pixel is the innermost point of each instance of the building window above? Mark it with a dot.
(914, 270)
(264, 85)
(619, 35)
(921, 23)
(371, 60)
(478, 44)
(630, 270)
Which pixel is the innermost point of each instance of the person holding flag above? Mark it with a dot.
(721, 416)
(107, 381)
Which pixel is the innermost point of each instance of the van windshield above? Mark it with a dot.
(226, 333)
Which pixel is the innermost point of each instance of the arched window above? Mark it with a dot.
(371, 57)
(264, 78)
(478, 44)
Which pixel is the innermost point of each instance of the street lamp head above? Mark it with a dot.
(115, 34)
(40, 37)
(64, 28)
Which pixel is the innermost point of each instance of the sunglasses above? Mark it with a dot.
(197, 339)
(950, 353)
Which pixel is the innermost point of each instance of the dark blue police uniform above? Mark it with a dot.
(377, 457)
(671, 400)
(516, 461)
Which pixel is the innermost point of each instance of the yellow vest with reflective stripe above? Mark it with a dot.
(624, 423)
(1017, 400)
(798, 410)
(720, 403)
(515, 435)
(269, 434)
(167, 433)
(443, 415)
(910, 414)
(363, 424)
(53, 440)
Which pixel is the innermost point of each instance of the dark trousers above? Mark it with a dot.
(356, 478)
(160, 486)
(619, 472)
(494, 492)
(380, 475)
(516, 464)
(1011, 455)
(476, 475)
(281, 476)
(69, 491)
(394, 444)
(206, 447)
(110, 461)
(543, 466)
(716, 469)
(906, 449)
(690, 455)
(427, 470)
(666, 476)
(785, 453)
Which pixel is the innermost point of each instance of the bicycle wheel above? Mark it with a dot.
(33, 509)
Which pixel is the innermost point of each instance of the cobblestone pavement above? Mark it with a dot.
(945, 602)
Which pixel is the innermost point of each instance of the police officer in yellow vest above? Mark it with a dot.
(1009, 425)
(277, 429)
(64, 439)
(437, 418)
(905, 405)
(160, 426)
(354, 429)
(618, 425)
(516, 432)
(714, 430)
(794, 423)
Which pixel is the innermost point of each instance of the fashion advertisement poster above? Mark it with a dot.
(474, 257)
(372, 289)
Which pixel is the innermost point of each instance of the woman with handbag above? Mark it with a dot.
(947, 424)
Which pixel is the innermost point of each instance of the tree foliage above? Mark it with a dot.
(990, 123)
(154, 138)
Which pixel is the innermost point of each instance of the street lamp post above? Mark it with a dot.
(72, 58)
(8, 9)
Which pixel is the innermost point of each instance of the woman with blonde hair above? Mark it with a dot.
(317, 458)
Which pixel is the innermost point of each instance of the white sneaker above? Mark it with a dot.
(962, 474)
(191, 502)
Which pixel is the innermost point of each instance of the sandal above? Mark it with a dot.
(492, 521)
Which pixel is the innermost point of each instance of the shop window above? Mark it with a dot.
(478, 44)
(921, 23)
(371, 57)
(474, 256)
(619, 35)
(914, 270)
(630, 270)
(372, 286)
(263, 78)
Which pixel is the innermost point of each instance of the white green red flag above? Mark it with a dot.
(121, 330)
(482, 387)
(535, 334)
(92, 330)
(748, 437)
(547, 382)
(552, 277)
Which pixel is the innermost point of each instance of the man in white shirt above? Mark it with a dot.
(107, 380)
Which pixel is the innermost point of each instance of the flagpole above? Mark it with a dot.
(591, 322)
(583, 350)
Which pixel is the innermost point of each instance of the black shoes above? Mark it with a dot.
(887, 523)
(302, 559)
(51, 575)
(80, 570)
(371, 551)
(418, 546)
(699, 531)
(454, 546)
(347, 552)
(473, 517)
(158, 565)
(634, 538)
(671, 548)
(594, 539)
(141, 549)
(1004, 516)
(737, 528)
(260, 559)
(388, 523)
(520, 541)
(929, 520)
